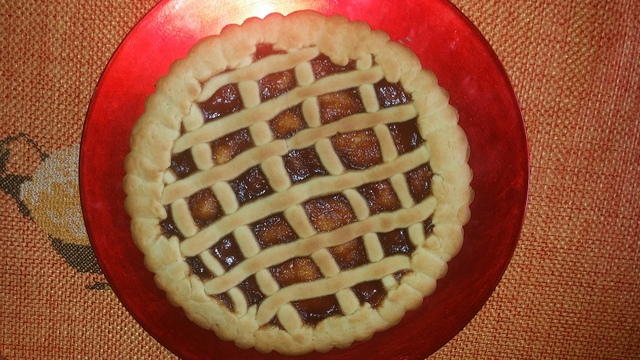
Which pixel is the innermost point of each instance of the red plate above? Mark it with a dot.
(446, 42)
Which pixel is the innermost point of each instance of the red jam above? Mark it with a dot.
(250, 185)
(223, 102)
(303, 164)
(273, 230)
(358, 150)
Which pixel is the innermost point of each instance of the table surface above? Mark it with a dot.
(571, 290)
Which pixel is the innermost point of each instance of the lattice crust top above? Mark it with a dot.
(298, 183)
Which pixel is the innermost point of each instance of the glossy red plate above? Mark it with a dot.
(446, 42)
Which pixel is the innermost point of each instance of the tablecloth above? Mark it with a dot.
(571, 290)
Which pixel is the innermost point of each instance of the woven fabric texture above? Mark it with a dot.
(572, 290)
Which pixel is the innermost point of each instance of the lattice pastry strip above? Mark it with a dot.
(372, 245)
(379, 223)
(310, 176)
(268, 110)
(268, 285)
(305, 138)
(326, 263)
(296, 194)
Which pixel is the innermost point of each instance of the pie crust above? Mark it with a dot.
(294, 258)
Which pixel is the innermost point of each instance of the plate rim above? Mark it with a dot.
(154, 11)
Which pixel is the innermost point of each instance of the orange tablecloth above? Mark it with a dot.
(572, 290)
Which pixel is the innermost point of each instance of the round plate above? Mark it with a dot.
(445, 41)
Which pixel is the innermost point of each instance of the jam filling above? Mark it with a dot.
(296, 270)
(169, 227)
(227, 252)
(287, 123)
(419, 181)
(273, 230)
(396, 242)
(204, 207)
(225, 300)
(183, 164)
(228, 147)
(390, 94)
(400, 274)
(428, 226)
(276, 84)
(358, 150)
(303, 164)
(329, 212)
(322, 66)
(380, 196)
(251, 291)
(312, 311)
(372, 292)
(250, 185)
(263, 50)
(406, 135)
(350, 254)
(223, 102)
(337, 105)
(198, 268)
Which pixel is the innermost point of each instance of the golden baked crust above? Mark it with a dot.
(173, 238)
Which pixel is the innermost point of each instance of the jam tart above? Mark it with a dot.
(298, 183)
